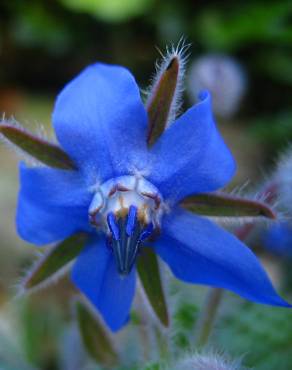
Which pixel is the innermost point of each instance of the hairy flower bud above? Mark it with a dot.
(210, 361)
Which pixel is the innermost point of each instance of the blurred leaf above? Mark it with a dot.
(225, 205)
(41, 324)
(266, 330)
(153, 366)
(149, 274)
(273, 131)
(95, 338)
(185, 316)
(184, 319)
(225, 30)
(277, 65)
(36, 26)
(44, 151)
(57, 257)
(161, 99)
(109, 10)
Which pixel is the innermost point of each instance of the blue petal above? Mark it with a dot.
(278, 239)
(101, 122)
(52, 204)
(198, 251)
(191, 156)
(95, 274)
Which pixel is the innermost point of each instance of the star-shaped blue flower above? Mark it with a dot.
(124, 193)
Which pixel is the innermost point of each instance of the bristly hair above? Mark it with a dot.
(210, 360)
(21, 154)
(20, 288)
(180, 51)
(245, 191)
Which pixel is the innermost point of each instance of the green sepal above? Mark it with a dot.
(149, 273)
(54, 260)
(225, 205)
(94, 337)
(44, 151)
(161, 99)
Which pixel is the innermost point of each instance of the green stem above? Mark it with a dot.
(207, 316)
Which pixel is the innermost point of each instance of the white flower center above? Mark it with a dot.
(119, 194)
(129, 210)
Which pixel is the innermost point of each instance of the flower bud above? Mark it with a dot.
(212, 361)
(223, 77)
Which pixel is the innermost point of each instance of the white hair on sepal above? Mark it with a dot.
(20, 153)
(20, 288)
(180, 51)
(239, 190)
(260, 194)
(43, 133)
(234, 224)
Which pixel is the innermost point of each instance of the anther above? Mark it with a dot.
(111, 221)
(132, 217)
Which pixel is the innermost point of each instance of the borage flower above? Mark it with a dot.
(126, 195)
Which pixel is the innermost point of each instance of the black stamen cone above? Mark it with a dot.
(127, 245)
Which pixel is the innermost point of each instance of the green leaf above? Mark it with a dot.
(44, 151)
(57, 257)
(149, 274)
(220, 204)
(268, 331)
(95, 337)
(160, 101)
(110, 10)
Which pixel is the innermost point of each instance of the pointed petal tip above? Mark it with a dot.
(116, 327)
(199, 159)
(194, 258)
(204, 95)
(280, 302)
(94, 274)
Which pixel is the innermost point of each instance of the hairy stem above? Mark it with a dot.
(207, 316)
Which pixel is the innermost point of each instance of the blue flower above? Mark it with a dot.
(124, 193)
(278, 239)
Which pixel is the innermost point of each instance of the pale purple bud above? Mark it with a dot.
(223, 77)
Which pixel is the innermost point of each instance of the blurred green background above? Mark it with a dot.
(43, 44)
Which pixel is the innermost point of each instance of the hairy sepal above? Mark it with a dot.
(225, 205)
(94, 336)
(149, 274)
(42, 150)
(54, 263)
(164, 96)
